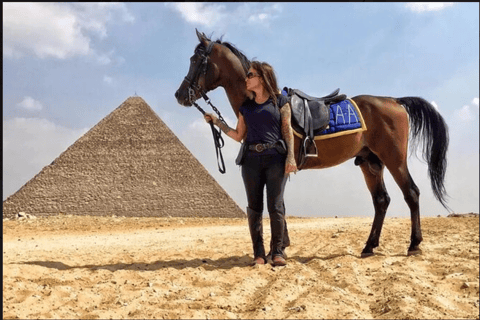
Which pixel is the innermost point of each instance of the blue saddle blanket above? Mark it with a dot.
(343, 117)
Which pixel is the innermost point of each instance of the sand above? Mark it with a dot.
(113, 267)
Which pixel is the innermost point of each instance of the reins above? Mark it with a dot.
(217, 134)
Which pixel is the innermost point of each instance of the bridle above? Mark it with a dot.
(194, 87)
(202, 69)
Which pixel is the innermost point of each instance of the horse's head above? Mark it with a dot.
(203, 74)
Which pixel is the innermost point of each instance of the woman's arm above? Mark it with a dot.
(237, 134)
(287, 133)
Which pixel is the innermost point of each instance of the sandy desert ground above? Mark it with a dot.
(116, 267)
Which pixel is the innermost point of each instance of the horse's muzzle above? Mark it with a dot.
(185, 94)
(182, 101)
(182, 97)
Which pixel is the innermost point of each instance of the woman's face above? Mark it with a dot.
(253, 80)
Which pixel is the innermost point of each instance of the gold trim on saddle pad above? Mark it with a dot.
(342, 133)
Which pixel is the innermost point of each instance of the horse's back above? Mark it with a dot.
(377, 104)
(379, 111)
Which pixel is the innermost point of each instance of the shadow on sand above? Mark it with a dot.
(207, 264)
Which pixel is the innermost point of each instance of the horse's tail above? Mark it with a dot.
(427, 127)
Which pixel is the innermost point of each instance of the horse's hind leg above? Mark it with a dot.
(411, 194)
(372, 168)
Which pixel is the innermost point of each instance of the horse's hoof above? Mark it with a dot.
(367, 254)
(414, 252)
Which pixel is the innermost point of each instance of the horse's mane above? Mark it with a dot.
(243, 59)
(240, 55)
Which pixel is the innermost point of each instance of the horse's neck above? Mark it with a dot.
(236, 95)
(234, 85)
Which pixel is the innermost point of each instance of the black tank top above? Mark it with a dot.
(263, 121)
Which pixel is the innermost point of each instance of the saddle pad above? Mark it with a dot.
(345, 118)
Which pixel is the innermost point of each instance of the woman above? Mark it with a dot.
(262, 123)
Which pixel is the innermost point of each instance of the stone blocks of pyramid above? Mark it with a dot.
(129, 164)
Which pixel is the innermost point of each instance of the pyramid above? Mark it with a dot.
(129, 164)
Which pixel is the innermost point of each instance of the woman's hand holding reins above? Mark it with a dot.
(237, 134)
(210, 117)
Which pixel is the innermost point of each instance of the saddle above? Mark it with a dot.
(310, 115)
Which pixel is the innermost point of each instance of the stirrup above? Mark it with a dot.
(307, 154)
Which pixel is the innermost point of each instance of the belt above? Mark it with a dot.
(261, 146)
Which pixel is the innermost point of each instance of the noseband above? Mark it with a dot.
(192, 88)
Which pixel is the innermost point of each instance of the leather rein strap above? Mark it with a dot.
(217, 134)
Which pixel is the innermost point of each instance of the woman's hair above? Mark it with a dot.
(269, 79)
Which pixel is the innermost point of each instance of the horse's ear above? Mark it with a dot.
(202, 37)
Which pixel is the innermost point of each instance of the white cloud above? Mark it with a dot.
(199, 12)
(46, 29)
(468, 112)
(428, 6)
(101, 58)
(263, 15)
(214, 14)
(107, 79)
(30, 104)
(29, 144)
(57, 30)
(94, 16)
(475, 102)
(258, 17)
(465, 113)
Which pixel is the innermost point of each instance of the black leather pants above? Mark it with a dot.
(258, 172)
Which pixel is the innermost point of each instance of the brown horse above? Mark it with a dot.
(383, 144)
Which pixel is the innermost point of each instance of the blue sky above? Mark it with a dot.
(68, 65)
